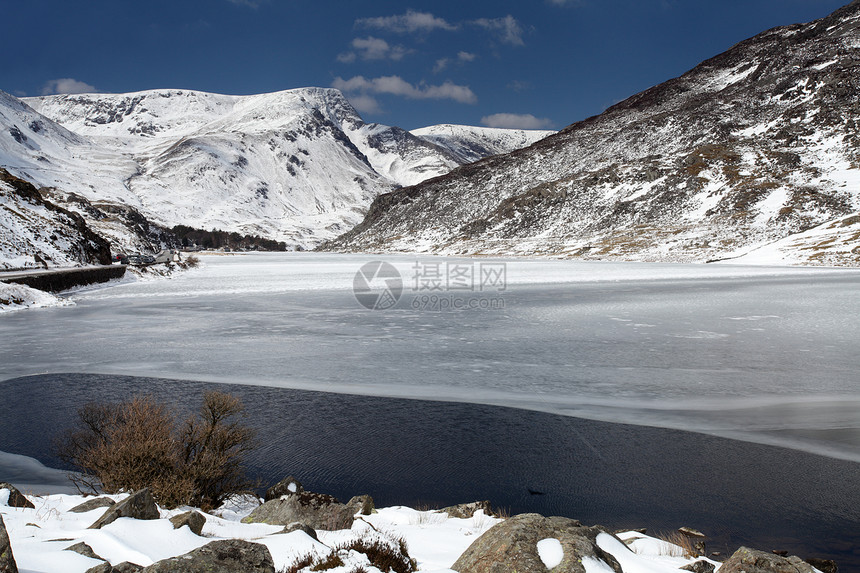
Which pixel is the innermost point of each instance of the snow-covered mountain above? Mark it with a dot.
(752, 155)
(299, 166)
(469, 144)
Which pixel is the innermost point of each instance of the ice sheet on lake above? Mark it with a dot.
(760, 353)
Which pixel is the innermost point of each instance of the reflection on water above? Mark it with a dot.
(409, 451)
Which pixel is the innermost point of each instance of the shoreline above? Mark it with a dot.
(615, 474)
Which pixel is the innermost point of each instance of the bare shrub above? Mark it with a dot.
(192, 261)
(138, 443)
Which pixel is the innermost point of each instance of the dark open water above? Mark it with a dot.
(410, 451)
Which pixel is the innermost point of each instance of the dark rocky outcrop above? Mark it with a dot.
(16, 498)
(7, 560)
(467, 510)
(85, 550)
(746, 560)
(316, 510)
(512, 546)
(824, 565)
(91, 504)
(193, 519)
(127, 567)
(139, 505)
(362, 504)
(101, 568)
(699, 567)
(301, 527)
(287, 486)
(225, 556)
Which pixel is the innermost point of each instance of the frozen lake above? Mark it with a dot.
(761, 354)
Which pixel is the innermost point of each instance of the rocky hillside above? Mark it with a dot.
(752, 155)
(35, 232)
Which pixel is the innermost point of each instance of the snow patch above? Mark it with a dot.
(551, 552)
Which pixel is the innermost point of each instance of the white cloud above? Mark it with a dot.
(440, 66)
(509, 30)
(249, 3)
(365, 103)
(466, 56)
(395, 85)
(516, 121)
(407, 23)
(67, 86)
(371, 48)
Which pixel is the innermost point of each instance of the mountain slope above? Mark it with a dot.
(469, 144)
(749, 148)
(299, 165)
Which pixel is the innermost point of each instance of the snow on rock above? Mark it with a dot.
(40, 537)
(19, 297)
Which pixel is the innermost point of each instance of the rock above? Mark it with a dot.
(746, 560)
(85, 550)
(699, 567)
(138, 505)
(224, 556)
(101, 568)
(362, 504)
(286, 486)
(91, 504)
(690, 532)
(301, 527)
(16, 498)
(7, 560)
(512, 546)
(467, 510)
(824, 565)
(193, 519)
(127, 567)
(316, 510)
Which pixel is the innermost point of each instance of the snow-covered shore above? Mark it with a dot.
(40, 536)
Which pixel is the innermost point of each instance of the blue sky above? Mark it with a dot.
(538, 63)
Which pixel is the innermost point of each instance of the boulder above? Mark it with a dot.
(224, 556)
(512, 545)
(467, 510)
(138, 505)
(101, 568)
(16, 498)
(7, 560)
(127, 567)
(748, 560)
(316, 510)
(824, 565)
(300, 527)
(94, 503)
(286, 486)
(700, 567)
(85, 550)
(362, 504)
(193, 519)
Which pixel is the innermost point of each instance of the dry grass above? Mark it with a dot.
(676, 544)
